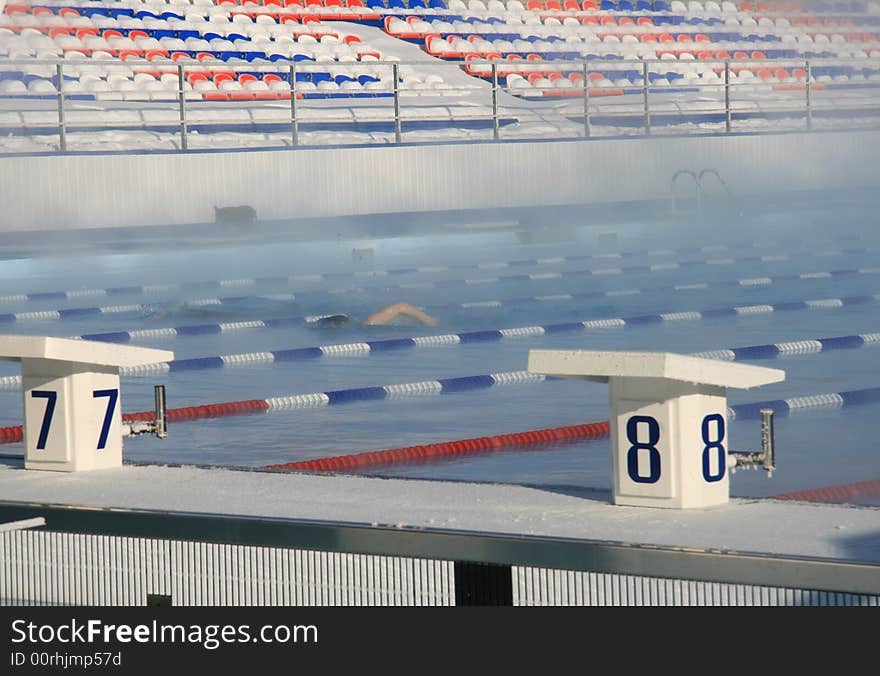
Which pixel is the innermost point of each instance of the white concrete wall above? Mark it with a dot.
(116, 190)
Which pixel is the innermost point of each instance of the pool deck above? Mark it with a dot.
(787, 528)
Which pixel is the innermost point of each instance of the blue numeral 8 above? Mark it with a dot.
(632, 455)
(709, 445)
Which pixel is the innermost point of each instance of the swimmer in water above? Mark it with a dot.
(383, 317)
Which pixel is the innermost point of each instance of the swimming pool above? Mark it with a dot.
(479, 281)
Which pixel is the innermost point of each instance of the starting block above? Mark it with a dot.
(669, 445)
(72, 403)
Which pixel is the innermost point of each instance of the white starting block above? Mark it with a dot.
(669, 444)
(72, 407)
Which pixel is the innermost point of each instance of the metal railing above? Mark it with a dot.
(120, 556)
(485, 98)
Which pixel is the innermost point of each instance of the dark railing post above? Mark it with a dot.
(181, 98)
(645, 86)
(395, 73)
(294, 123)
(586, 102)
(728, 116)
(62, 128)
(494, 101)
(809, 92)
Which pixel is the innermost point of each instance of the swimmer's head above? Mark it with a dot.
(334, 320)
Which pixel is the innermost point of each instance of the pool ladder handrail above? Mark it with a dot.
(766, 457)
(159, 426)
(700, 193)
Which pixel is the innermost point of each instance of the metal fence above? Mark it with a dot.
(130, 557)
(470, 99)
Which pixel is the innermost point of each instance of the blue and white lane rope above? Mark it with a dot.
(123, 336)
(792, 348)
(491, 335)
(157, 289)
(784, 407)
(200, 329)
(317, 278)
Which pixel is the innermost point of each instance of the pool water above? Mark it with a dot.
(820, 447)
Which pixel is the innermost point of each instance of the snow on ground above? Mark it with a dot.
(776, 527)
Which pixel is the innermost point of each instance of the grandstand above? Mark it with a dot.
(455, 66)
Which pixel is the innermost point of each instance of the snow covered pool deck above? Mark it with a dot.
(774, 527)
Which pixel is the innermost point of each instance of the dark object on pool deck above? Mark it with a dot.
(240, 214)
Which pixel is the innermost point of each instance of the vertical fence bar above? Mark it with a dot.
(395, 74)
(808, 93)
(645, 86)
(495, 101)
(181, 98)
(294, 123)
(728, 117)
(62, 128)
(586, 102)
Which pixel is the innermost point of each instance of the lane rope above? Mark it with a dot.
(247, 282)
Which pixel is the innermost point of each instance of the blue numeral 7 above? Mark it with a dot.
(112, 397)
(51, 397)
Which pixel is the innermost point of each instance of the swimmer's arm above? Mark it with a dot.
(390, 313)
